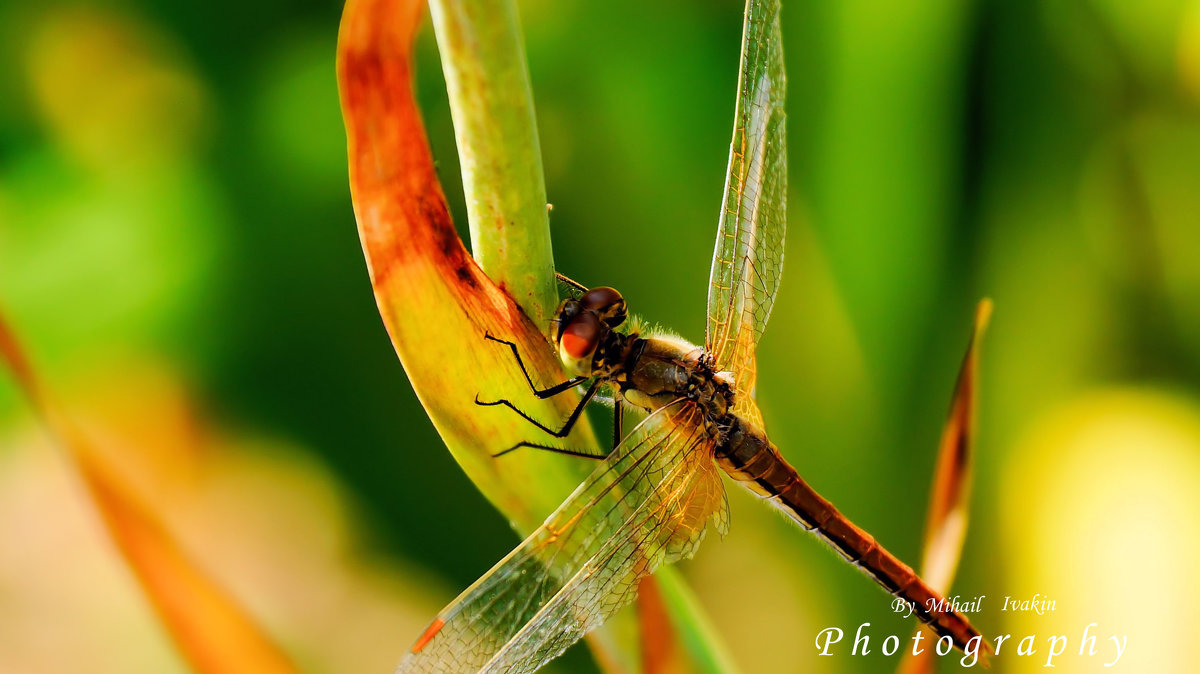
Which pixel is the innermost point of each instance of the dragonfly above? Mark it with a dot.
(651, 499)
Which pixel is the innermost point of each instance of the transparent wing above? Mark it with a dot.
(748, 258)
(647, 504)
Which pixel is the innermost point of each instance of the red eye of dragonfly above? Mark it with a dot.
(607, 303)
(581, 336)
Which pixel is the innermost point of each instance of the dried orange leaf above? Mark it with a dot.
(213, 632)
(946, 523)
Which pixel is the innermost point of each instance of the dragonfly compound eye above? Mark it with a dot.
(581, 336)
(567, 311)
(607, 303)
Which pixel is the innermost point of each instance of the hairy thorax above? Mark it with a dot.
(664, 369)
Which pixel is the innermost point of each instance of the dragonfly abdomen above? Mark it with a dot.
(748, 456)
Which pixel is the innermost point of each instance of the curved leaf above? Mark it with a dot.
(436, 303)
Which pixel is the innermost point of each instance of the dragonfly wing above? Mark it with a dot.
(744, 406)
(647, 504)
(748, 258)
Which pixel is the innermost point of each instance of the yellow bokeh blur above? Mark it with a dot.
(1100, 512)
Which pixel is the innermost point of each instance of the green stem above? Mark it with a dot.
(491, 102)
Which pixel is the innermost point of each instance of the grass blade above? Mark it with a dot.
(212, 631)
(946, 523)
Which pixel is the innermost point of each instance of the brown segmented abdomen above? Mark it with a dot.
(749, 457)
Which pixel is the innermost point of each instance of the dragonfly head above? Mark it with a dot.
(584, 323)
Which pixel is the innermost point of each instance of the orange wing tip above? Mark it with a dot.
(430, 633)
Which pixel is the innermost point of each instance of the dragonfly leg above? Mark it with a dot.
(618, 422)
(540, 393)
(567, 425)
(561, 450)
(567, 280)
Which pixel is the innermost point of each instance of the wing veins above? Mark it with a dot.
(546, 566)
(647, 511)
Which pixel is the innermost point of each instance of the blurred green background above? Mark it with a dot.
(174, 208)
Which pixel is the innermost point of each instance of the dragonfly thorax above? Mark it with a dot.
(665, 369)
